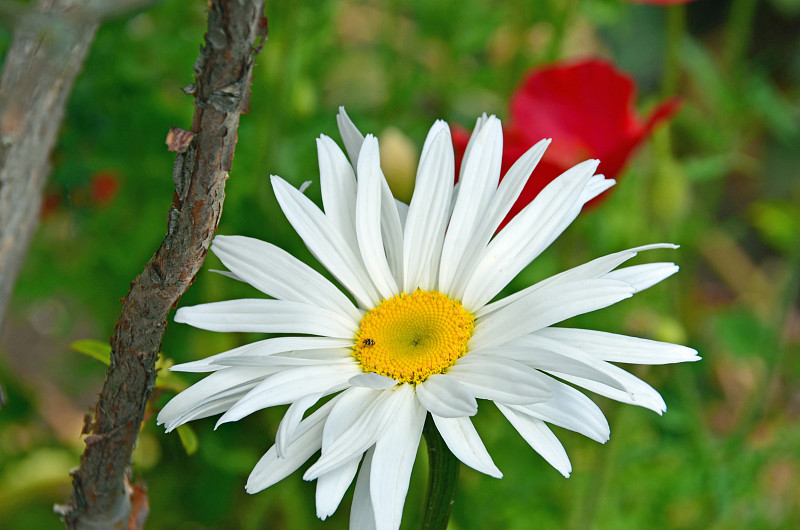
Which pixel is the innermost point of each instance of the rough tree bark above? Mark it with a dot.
(101, 495)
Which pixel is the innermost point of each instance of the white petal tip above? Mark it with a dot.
(495, 473)
(223, 420)
(180, 316)
(252, 488)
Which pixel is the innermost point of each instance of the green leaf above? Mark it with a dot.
(165, 378)
(188, 439)
(94, 349)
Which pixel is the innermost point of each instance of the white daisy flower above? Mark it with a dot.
(420, 333)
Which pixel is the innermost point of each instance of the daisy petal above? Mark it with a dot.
(394, 456)
(543, 353)
(289, 360)
(620, 348)
(368, 218)
(290, 385)
(392, 230)
(402, 212)
(444, 396)
(227, 274)
(427, 213)
(540, 438)
(352, 404)
(596, 185)
(379, 409)
(501, 203)
(362, 516)
(261, 349)
(332, 486)
(325, 242)
(570, 409)
(500, 379)
(267, 316)
(351, 136)
(478, 184)
(211, 395)
(639, 393)
(272, 468)
(373, 381)
(291, 420)
(465, 443)
(644, 276)
(475, 131)
(593, 269)
(560, 359)
(545, 307)
(527, 235)
(338, 184)
(277, 273)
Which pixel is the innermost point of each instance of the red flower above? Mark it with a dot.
(587, 108)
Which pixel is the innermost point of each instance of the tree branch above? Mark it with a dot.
(224, 73)
(48, 49)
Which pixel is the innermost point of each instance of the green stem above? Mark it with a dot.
(676, 27)
(442, 479)
(740, 27)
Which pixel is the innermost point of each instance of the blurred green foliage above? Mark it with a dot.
(721, 181)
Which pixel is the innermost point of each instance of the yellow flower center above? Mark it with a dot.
(411, 337)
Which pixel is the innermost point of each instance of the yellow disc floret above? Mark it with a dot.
(411, 337)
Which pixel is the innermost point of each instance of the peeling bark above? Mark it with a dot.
(101, 496)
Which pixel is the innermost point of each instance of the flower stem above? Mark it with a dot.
(676, 30)
(442, 479)
(738, 33)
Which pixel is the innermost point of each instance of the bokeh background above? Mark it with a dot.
(721, 179)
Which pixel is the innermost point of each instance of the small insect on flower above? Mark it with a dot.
(368, 342)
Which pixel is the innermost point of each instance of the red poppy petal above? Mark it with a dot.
(663, 111)
(587, 108)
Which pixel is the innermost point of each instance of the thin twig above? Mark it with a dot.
(101, 496)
